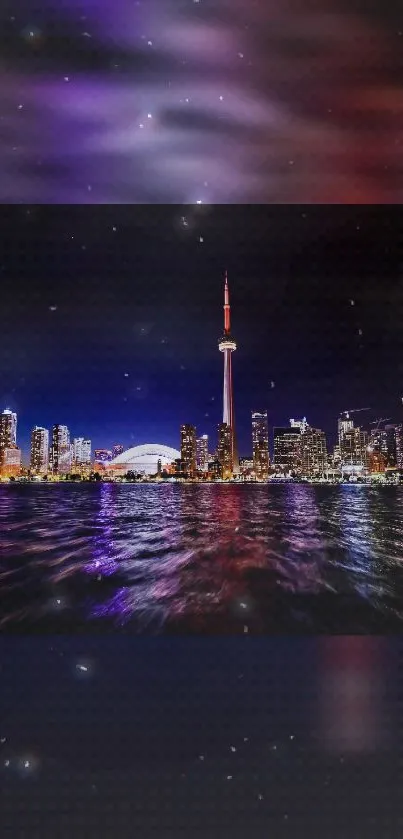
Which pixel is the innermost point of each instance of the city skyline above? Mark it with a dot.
(115, 337)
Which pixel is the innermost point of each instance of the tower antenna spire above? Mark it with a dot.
(227, 307)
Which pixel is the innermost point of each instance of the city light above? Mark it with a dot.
(300, 451)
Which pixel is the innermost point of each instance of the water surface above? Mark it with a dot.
(201, 559)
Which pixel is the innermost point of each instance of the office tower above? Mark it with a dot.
(8, 431)
(202, 455)
(227, 346)
(246, 465)
(376, 461)
(81, 451)
(378, 443)
(313, 452)
(391, 435)
(117, 450)
(301, 424)
(225, 449)
(39, 450)
(353, 443)
(287, 449)
(215, 469)
(399, 446)
(188, 449)
(11, 462)
(260, 445)
(60, 457)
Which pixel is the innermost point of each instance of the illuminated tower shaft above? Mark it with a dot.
(227, 346)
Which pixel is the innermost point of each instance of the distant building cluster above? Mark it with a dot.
(53, 455)
(300, 451)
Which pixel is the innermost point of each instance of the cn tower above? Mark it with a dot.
(227, 346)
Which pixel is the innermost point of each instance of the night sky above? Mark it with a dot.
(200, 738)
(111, 317)
(249, 101)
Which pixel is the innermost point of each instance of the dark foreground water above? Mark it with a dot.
(208, 559)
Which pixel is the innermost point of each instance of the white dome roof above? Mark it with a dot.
(145, 458)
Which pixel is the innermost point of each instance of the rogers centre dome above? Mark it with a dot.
(143, 459)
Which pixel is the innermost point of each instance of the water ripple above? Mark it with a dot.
(201, 559)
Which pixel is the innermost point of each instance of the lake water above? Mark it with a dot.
(201, 559)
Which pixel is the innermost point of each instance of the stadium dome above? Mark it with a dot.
(144, 459)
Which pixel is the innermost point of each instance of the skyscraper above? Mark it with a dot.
(202, 455)
(313, 452)
(60, 458)
(301, 424)
(117, 450)
(287, 449)
(399, 446)
(227, 346)
(225, 449)
(81, 451)
(188, 449)
(353, 443)
(8, 431)
(39, 450)
(260, 445)
(11, 464)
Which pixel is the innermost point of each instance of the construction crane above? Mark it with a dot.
(346, 414)
(378, 422)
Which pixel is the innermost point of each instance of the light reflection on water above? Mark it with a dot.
(218, 559)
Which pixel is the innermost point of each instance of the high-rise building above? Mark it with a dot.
(81, 451)
(60, 457)
(313, 452)
(399, 446)
(202, 455)
(188, 449)
(227, 346)
(301, 424)
(39, 450)
(11, 463)
(260, 445)
(353, 443)
(287, 449)
(8, 431)
(225, 449)
(246, 465)
(391, 434)
(117, 450)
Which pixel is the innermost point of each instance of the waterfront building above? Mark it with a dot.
(39, 460)
(143, 460)
(61, 455)
(8, 431)
(215, 469)
(189, 449)
(260, 445)
(81, 451)
(102, 459)
(227, 346)
(11, 462)
(225, 449)
(313, 452)
(287, 449)
(301, 424)
(246, 465)
(202, 455)
(353, 444)
(399, 446)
